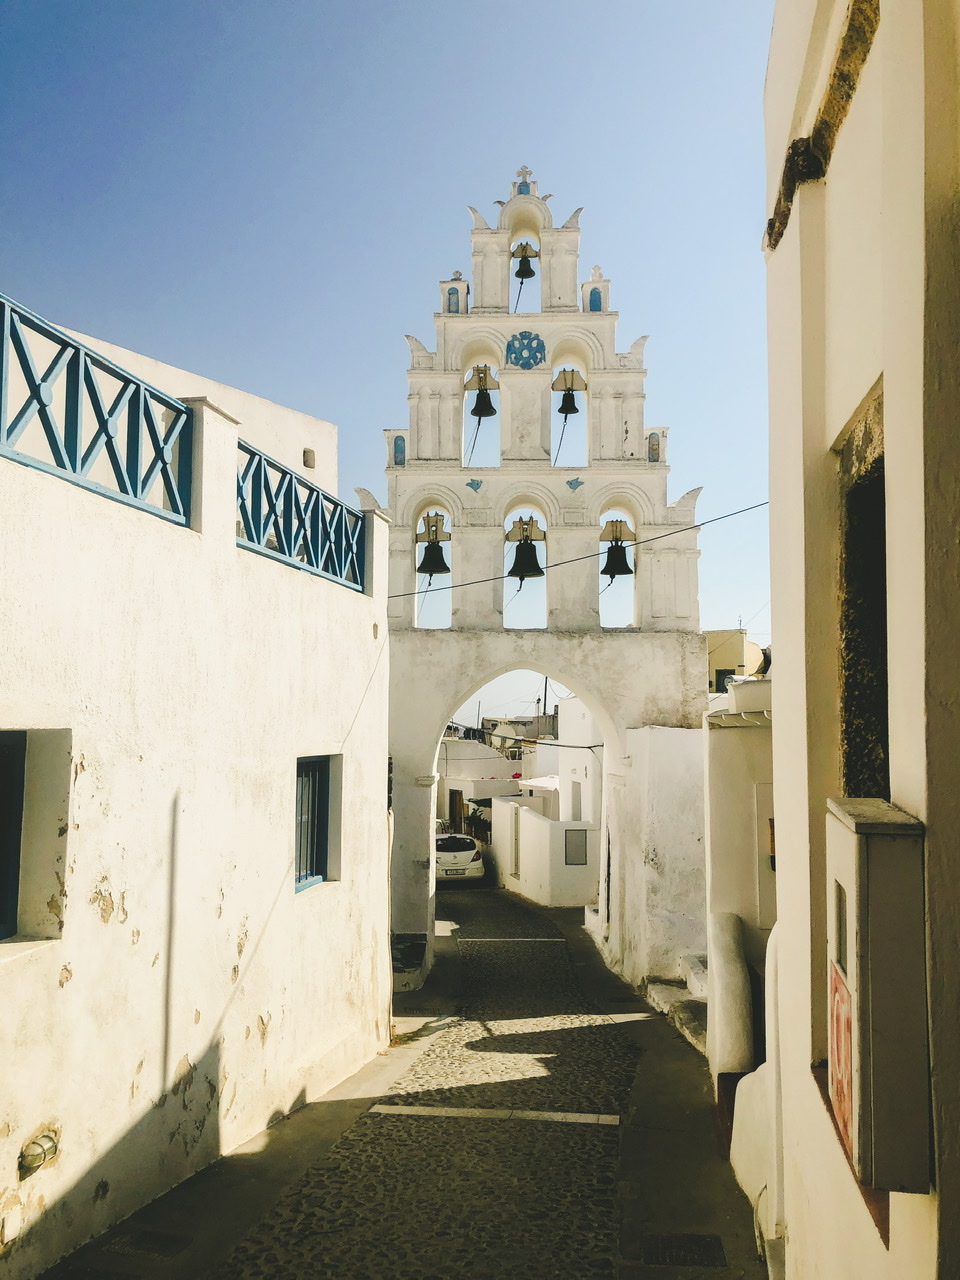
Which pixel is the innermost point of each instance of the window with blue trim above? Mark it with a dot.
(13, 754)
(317, 808)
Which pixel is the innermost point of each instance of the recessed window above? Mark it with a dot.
(318, 826)
(13, 751)
(575, 848)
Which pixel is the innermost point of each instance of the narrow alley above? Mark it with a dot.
(552, 1127)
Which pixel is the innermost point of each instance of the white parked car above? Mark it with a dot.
(458, 858)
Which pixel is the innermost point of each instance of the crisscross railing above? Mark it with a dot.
(280, 514)
(67, 410)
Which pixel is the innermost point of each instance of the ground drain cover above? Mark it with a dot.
(155, 1244)
(682, 1251)
(417, 1013)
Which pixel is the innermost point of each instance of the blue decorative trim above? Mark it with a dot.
(285, 517)
(300, 885)
(575, 484)
(474, 485)
(146, 435)
(526, 350)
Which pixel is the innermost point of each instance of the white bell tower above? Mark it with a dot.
(498, 369)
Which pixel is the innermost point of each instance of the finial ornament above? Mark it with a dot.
(457, 275)
(524, 174)
(596, 274)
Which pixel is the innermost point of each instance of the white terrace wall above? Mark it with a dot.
(656, 868)
(170, 994)
(543, 874)
(282, 433)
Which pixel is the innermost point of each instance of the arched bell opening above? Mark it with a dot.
(568, 416)
(525, 295)
(481, 417)
(617, 568)
(433, 565)
(525, 567)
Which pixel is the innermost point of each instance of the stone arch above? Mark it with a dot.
(581, 346)
(525, 215)
(438, 495)
(523, 492)
(556, 668)
(634, 501)
(481, 346)
(578, 347)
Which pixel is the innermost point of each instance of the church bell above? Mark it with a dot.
(483, 405)
(432, 561)
(615, 565)
(568, 404)
(526, 563)
(524, 269)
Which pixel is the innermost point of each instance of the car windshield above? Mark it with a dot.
(454, 844)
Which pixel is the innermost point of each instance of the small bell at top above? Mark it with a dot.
(525, 269)
(483, 406)
(568, 404)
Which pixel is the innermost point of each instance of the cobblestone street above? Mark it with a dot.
(508, 1167)
(410, 1197)
(535, 1120)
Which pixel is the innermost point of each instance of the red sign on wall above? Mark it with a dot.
(841, 1056)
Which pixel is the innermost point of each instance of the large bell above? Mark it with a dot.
(526, 563)
(615, 565)
(568, 404)
(524, 269)
(432, 561)
(483, 405)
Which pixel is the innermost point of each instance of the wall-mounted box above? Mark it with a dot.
(876, 974)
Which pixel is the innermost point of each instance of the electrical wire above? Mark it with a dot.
(593, 555)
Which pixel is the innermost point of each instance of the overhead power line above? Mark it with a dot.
(593, 555)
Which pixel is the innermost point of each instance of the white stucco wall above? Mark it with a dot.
(171, 994)
(657, 889)
(280, 432)
(542, 873)
(862, 285)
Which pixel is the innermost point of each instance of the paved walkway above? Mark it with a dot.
(553, 1129)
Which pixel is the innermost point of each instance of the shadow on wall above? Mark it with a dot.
(179, 1134)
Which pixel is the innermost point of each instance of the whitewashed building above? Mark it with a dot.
(193, 772)
(489, 464)
(858, 1173)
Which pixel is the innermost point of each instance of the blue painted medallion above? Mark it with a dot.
(474, 485)
(526, 350)
(575, 484)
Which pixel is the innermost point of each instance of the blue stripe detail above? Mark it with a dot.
(145, 434)
(285, 517)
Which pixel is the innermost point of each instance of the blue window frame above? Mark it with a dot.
(13, 754)
(313, 820)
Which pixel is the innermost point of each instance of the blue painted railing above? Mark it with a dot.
(66, 410)
(280, 514)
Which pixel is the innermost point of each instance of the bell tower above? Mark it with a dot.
(525, 352)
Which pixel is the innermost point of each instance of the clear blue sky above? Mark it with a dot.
(267, 192)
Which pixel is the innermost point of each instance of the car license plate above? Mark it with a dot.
(457, 871)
